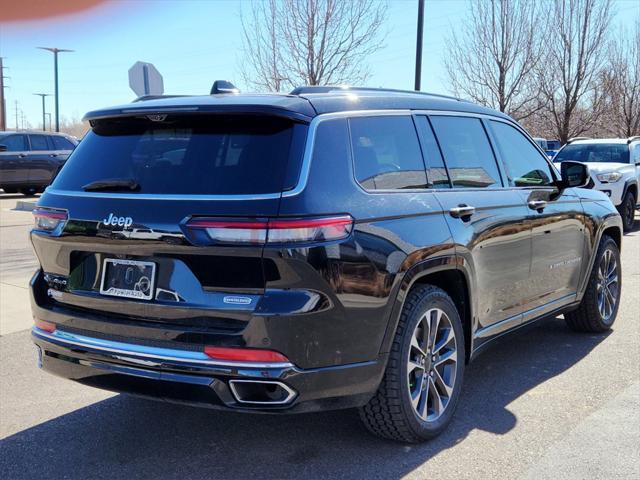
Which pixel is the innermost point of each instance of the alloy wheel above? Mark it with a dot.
(608, 285)
(432, 364)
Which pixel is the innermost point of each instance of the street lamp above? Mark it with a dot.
(55, 74)
(44, 128)
(48, 115)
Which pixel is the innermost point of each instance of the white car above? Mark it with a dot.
(614, 164)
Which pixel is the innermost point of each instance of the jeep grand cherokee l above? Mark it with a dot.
(318, 250)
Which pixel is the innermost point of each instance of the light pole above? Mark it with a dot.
(55, 76)
(419, 45)
(48, 115)
(44, 128)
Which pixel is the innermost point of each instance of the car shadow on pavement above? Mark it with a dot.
(126, 437)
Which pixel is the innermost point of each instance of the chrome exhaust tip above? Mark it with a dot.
(261, 392)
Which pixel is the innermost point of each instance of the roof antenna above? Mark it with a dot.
(223, 86)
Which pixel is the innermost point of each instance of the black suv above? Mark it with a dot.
(324, 249)
(29, 161)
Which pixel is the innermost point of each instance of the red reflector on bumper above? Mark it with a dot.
(244, 355)
(46, 326)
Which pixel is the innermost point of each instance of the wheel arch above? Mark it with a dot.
(448, 273)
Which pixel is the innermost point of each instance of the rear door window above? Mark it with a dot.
(216, 155)
(386, 153)
(436, 172)
(60, 143)
(39, 142)
(525, 165)
(467, 152)
(15, 143)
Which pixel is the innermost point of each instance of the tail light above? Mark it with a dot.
(48, 219)
(245, 355)
(270, 231)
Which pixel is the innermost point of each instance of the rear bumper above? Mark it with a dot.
(191, 377)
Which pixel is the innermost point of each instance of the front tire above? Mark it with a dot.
(627, 211)
(421, 385)
(601, 300)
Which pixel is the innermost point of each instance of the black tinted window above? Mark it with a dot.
(436, 171)
(61, 143)
(14, 143)
(387, 153)
(524, 163)
(467, 152)
(221, 155)
(38, 142)
(594, 152)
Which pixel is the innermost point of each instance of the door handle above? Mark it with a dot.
(462, 211)
(53, 155)
(22, 155)
(538, 205)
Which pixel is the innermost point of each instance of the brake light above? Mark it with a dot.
(43, 325)
(272, 231)
(48, 219)
(244, 354)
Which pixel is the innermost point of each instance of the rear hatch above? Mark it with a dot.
(130, 198)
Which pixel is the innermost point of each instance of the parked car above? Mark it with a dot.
(614, 164)
(30, 160)
(325, 249)
(548, 146)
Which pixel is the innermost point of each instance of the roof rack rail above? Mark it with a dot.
(573, 139)
(633, 138)
(346, 88)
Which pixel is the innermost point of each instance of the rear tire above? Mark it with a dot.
(601, 300)
(423, 380)
(28, 191)
(627, 211)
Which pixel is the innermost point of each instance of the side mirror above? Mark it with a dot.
(3, 148)
(574, 174)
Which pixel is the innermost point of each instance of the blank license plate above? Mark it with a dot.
(128, 278)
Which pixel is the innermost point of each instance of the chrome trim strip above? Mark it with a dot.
(291, 393)
(313, 126)
(167, 354)
(306, 160)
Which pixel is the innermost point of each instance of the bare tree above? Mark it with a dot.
(287, 43)
(622, 79)
(492, 57)
(575, 51)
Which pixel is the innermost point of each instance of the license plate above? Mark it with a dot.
(128, 278)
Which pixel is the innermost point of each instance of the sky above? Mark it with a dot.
(192, 43)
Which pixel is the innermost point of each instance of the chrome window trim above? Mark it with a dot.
(305, 166)
(313, 126)
(158, 353)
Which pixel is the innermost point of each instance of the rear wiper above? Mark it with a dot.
(113, 184)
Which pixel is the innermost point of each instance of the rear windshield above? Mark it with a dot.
(594, 152)
(214, 155)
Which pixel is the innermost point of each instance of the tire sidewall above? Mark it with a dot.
(434, 299)
(628, 207)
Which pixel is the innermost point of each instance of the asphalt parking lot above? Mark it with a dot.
(543, 403)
